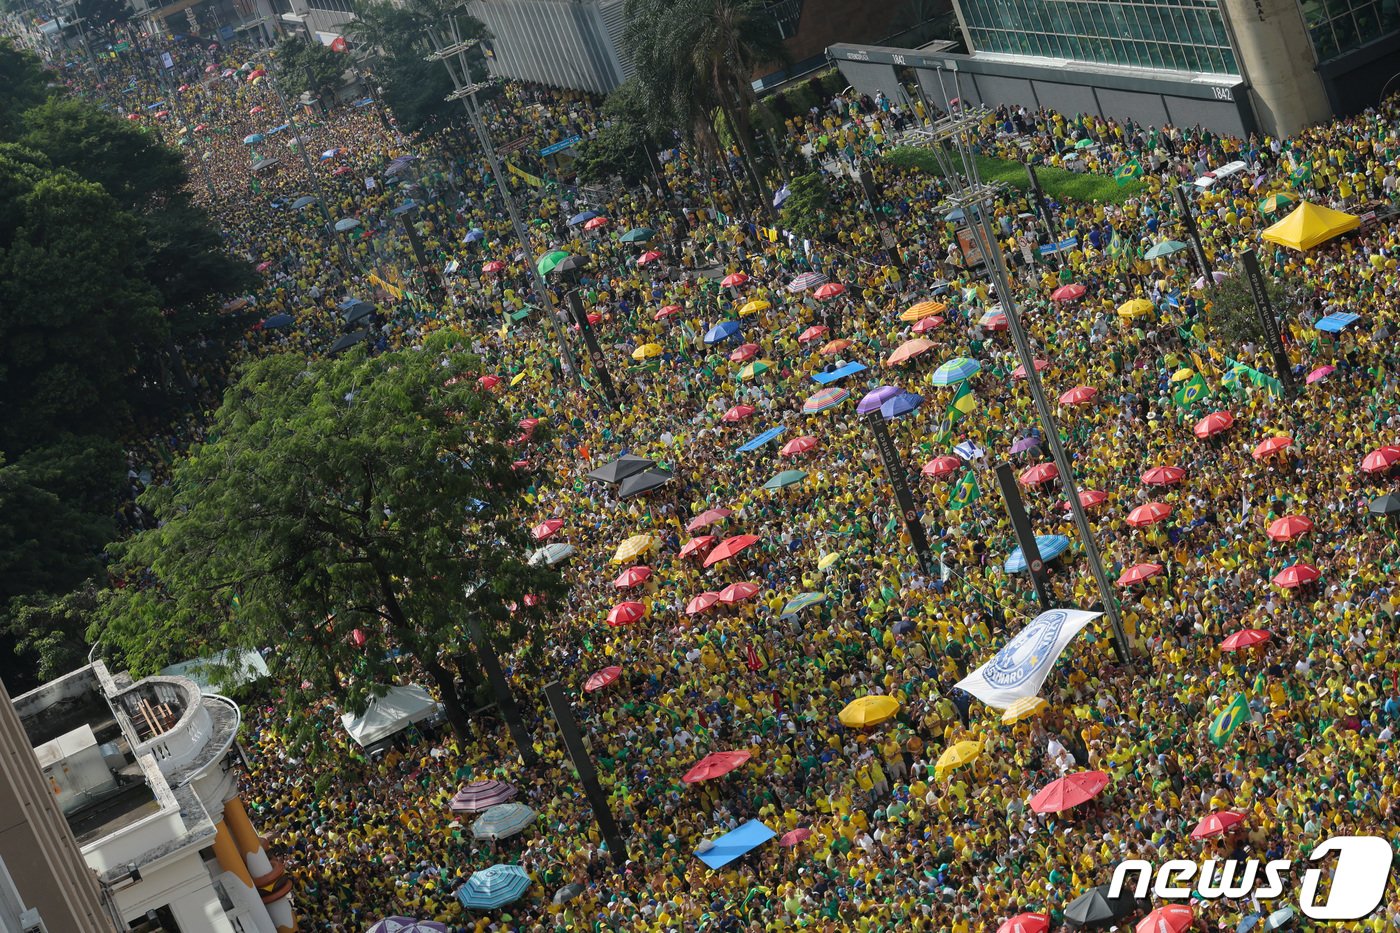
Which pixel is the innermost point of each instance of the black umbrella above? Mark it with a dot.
(348, 341)
(1094, 908)
(278, 320)
(573, 264)
(639, 483)
(1388, 504)
(358, 312)
(620, 469)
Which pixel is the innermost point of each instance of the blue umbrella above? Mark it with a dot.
(762, 439)
(330, 154)
(733, 844)
(155, 106)
(493, 887)
(277, 320)
(346, 223)
(277, 129)
(503, 820)
(405, 207)
(363, 102)
(303, 202)
(1336, 322)
(955, 371)
(877, 397)
(474, 235)
(900, 405)
(836, 375)
(253, 139)
(724, 330)
(955, 215)
(1050, 546)
(582, 218)
(902, 626)
(801, 601)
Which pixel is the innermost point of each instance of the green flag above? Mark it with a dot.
(967, 492)
(1192, 391)
(1231, 718)
(964, 402)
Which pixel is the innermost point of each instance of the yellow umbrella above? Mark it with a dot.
(633, 547)
(828, 561)
(647, 350)
(1138, 307)
(1181, 375)
(868, 711)
(963, 753)
(922, 310)
(753, 307)
(517, 378)
(1024, 708)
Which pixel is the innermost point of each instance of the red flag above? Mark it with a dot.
(340, 45)
(753, 659)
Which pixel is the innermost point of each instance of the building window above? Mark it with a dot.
(1339, 26)
(1176, 35)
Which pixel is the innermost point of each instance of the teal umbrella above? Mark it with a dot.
(1165, 248)
(638, 235)
(503, 820)
(549, 261)
(955, 371)
(785, 478)
(801, 601)
(493, 887)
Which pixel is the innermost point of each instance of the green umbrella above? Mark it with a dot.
(1084, 144)
(638, 235)
(1274, 203)
(548, 261)
(1165, 248)
(785, 478)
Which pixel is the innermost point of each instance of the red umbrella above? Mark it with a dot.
(995, 322)
(1163, 476)
(1068, 292)
(713, 765)
(1149, 514)
(632, 576)
(1040, 473)
(1289, 527)
(830, 290)
(594, 317)
(1088, 498)
(1381, 459)
(601, 679)
(1138, 573)
(743, 352)
(696, 545)
(546, 528)
(667, 311)
(1214, 423)
(729, 547)
(813, 333)
(1079, 395)
(1245, 638)
(133, 116)
(708, 517)
(734, 280)
(1069, 791)
(1026, 923)
(1216, 824)
(925, 324)
(595, 223)
(1297, 575)
(1020, 371)
(254, 112)
(1173, 918)
(793, 837)
(939, 467)
(493, 267)
(799, 445)
(700, 603)
(737, 593)
(626, 613)
(647, 258)
(1267, 448)
(738, 413)
(489, 382)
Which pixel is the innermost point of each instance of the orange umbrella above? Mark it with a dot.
(1149, 514)
(908, 350)
(1289, 527)
(835, 346)
(601, 679)
(737, 593)
(632, 576)
(626, 613)
(1267, 448)
(1214, 423)
(1040, 473)
(729, 547)
(713, 765)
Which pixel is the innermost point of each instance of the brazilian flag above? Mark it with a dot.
(963, 403)
(1303, 174)
(967, 492)
(1127, 173)
(1231, 718)
(1191, 391)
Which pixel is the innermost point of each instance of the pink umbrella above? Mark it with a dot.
(667, 311)
(736, 593)
(1068, 292)
(1171, 918)
(647, 258)
(940, 467)
(1138, 573)
(1040, 473)
(1026, 923)
(632, 576)
(813, 333)
(1163, 476)
(695, 545)
(601, 679)
(744, 352)
(1288, 527)
(830, 290)
(799, 445)
(546, 529)
(925, 324)
(738, 413)
(1069, 791)
(701, 603)
(707, 518)
(1020, 371)
(715, 764)
(1245, 638)
(1321, 373)
(1297, 575)
(793, 837)
(1088, 498)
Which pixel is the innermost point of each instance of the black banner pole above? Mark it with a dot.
(587, 773)
(903, 497)
(1016, 511)
(1198, 248)
(1268, 320)
(510, 710)
(590, 342)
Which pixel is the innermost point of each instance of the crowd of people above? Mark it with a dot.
(895, 842)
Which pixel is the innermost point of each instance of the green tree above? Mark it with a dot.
(351, 493)
(1231, 316)
(23, 85)
(621, 147)
(804, 212)
(309, 67)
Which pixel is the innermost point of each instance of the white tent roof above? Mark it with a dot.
(394, 712)
(223, 669)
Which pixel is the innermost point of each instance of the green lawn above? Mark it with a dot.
(1058, 183)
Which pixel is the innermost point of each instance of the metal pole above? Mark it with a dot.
(590, 343)
(904, 499)
(1030, 550)
(577, 748)
(510, 711)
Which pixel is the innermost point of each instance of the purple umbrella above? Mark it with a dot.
(479, 795)
(877, 397)
(407, 925)
(1024, 444)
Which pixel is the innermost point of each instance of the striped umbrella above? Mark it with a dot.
(805, 281)
(407, 925)
(503, 820)
(493, 887)
(801, 601)
(482, 795)
(826, 398)
(956, 370)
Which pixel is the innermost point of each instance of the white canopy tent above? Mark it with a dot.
(222, 670)
(394, 712)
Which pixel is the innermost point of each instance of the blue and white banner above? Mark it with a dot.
(1019, 669)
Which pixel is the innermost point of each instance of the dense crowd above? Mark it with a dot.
(895, 842)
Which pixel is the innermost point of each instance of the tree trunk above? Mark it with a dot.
(746, 156)
(451, 703)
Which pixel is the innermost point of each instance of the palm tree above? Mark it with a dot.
(695, 60)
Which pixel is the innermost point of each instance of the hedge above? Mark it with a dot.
(1058, 183)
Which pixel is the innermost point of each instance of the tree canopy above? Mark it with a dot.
(309, 66)
(350, 495)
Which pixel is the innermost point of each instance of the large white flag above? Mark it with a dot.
(1019, 669)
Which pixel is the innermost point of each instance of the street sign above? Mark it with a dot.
(122, 46)
(514, 145)
(559, 146)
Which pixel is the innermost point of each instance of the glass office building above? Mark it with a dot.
(1340, 26)
(1174, 35)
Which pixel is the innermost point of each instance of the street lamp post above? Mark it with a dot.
(452, 51)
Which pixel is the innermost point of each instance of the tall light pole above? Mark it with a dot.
(453, 52)
(951, 140)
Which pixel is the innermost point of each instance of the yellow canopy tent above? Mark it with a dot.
(1310, 225)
